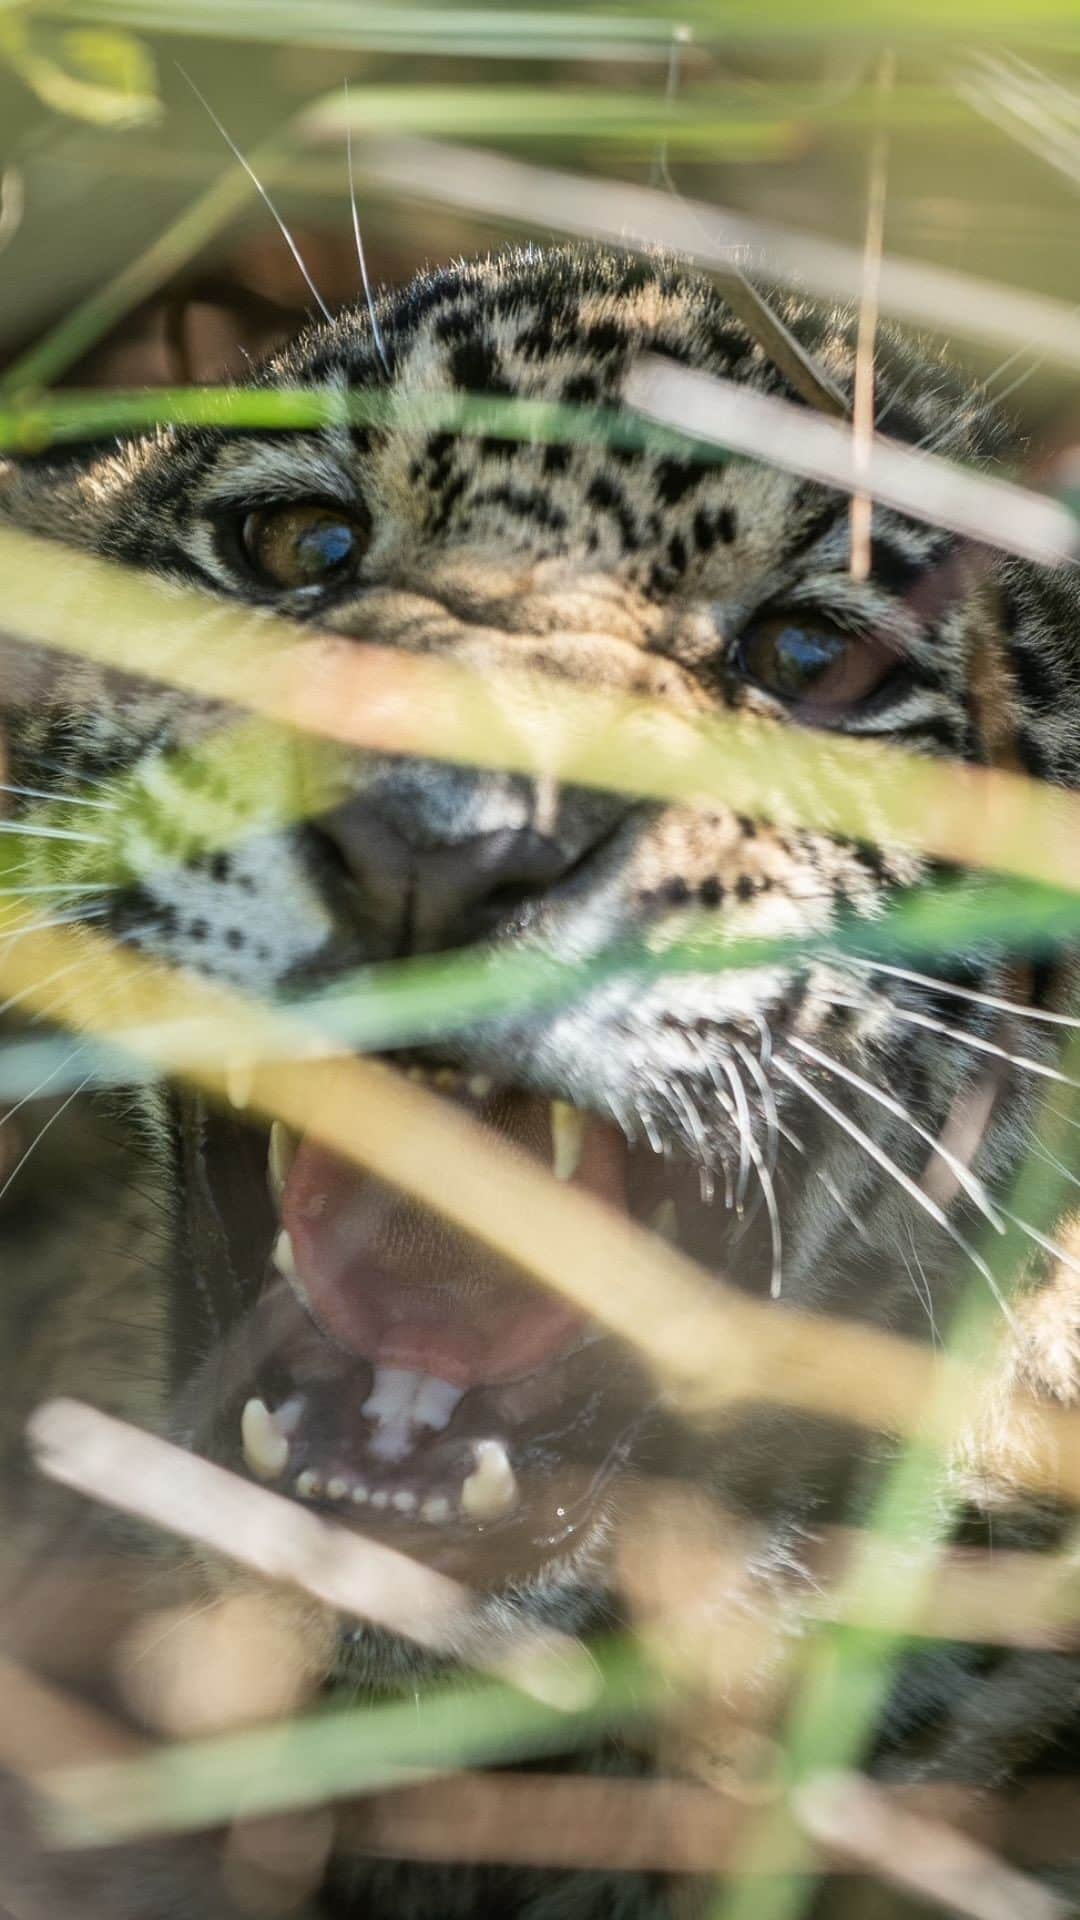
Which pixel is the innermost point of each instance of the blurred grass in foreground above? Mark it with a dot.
(845, 1673)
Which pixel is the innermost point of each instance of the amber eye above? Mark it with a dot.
(303, 545)
(812, 665)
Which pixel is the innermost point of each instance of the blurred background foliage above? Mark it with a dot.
(765, 109)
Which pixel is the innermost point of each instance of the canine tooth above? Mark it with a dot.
(284, 1257)
(380, 1497)
(665, 1221)
(265, 1446)
(491, 1490)
(481, 1085)
(404, 1501)
(436, 1509)
(435, 1402)
(279, 1157)
(359, 1494)
(239, 1080)
(337, 1488)
(567, 1139)
(307, 1484)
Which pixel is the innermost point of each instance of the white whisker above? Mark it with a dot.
(30, 830)
(994, 1001)
(57, 799)
(972, 1040)
(263, 195)
(35, 1093)
(1042, 1240)
(376, 330)
(903, 1180)
(742, 1122)
(970, 1182)
(54, 886)
(36, 986)
(756, 1070)
(40, 1135)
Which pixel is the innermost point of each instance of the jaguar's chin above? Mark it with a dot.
(374, 1361)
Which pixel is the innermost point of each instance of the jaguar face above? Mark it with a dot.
(343, 1342)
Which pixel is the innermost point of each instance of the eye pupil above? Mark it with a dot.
(302, 545)
(801, 657)
(320, 548)
(819, 670)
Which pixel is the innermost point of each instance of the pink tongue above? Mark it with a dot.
(393, 1283)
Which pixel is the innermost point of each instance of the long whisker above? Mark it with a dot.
(743, 1123)
(793, 1139)
(55, 886)
(262, 193)
(35, 1093)
(903, 1180)
(992, 1000)
(78, 917)
(979, 1045)
(32, 830)
(61, 800)
(921, 1287)
(40, 1135)
(756, 1070)
(971, 1184)
(36, 985)
(376, 330)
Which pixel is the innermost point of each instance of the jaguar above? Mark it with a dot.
(786, 1122)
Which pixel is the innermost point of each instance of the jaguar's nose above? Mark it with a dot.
(422, 898)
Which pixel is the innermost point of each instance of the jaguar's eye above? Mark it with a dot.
(306, 544)
(813, 665)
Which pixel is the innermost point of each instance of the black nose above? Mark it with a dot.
(413, 898)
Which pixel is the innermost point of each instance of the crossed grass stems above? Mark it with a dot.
(715, 1350)
(718, 1352)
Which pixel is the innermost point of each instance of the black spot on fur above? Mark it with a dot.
(583, 390)
(603, 493)
(674, 479)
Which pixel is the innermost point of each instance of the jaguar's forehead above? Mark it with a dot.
(562, 326)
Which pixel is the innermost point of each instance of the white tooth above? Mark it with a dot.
(337, 1488)
(665, 1221)
(239, 1080)
(436, 1509)
(393, 1391)
(405, 1502)
(284, 1257)
(266, 1447)
(481, 1085)
(359, 1494)
(380, 1497)
(435, 1402)
(390, 1406)
(307, 1484)
(290, 1413)
(491, 1489)
(567, 1139)
(279, 1157)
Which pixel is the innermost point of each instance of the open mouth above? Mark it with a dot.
(401, 1375)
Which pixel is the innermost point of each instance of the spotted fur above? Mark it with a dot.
(637, 571)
